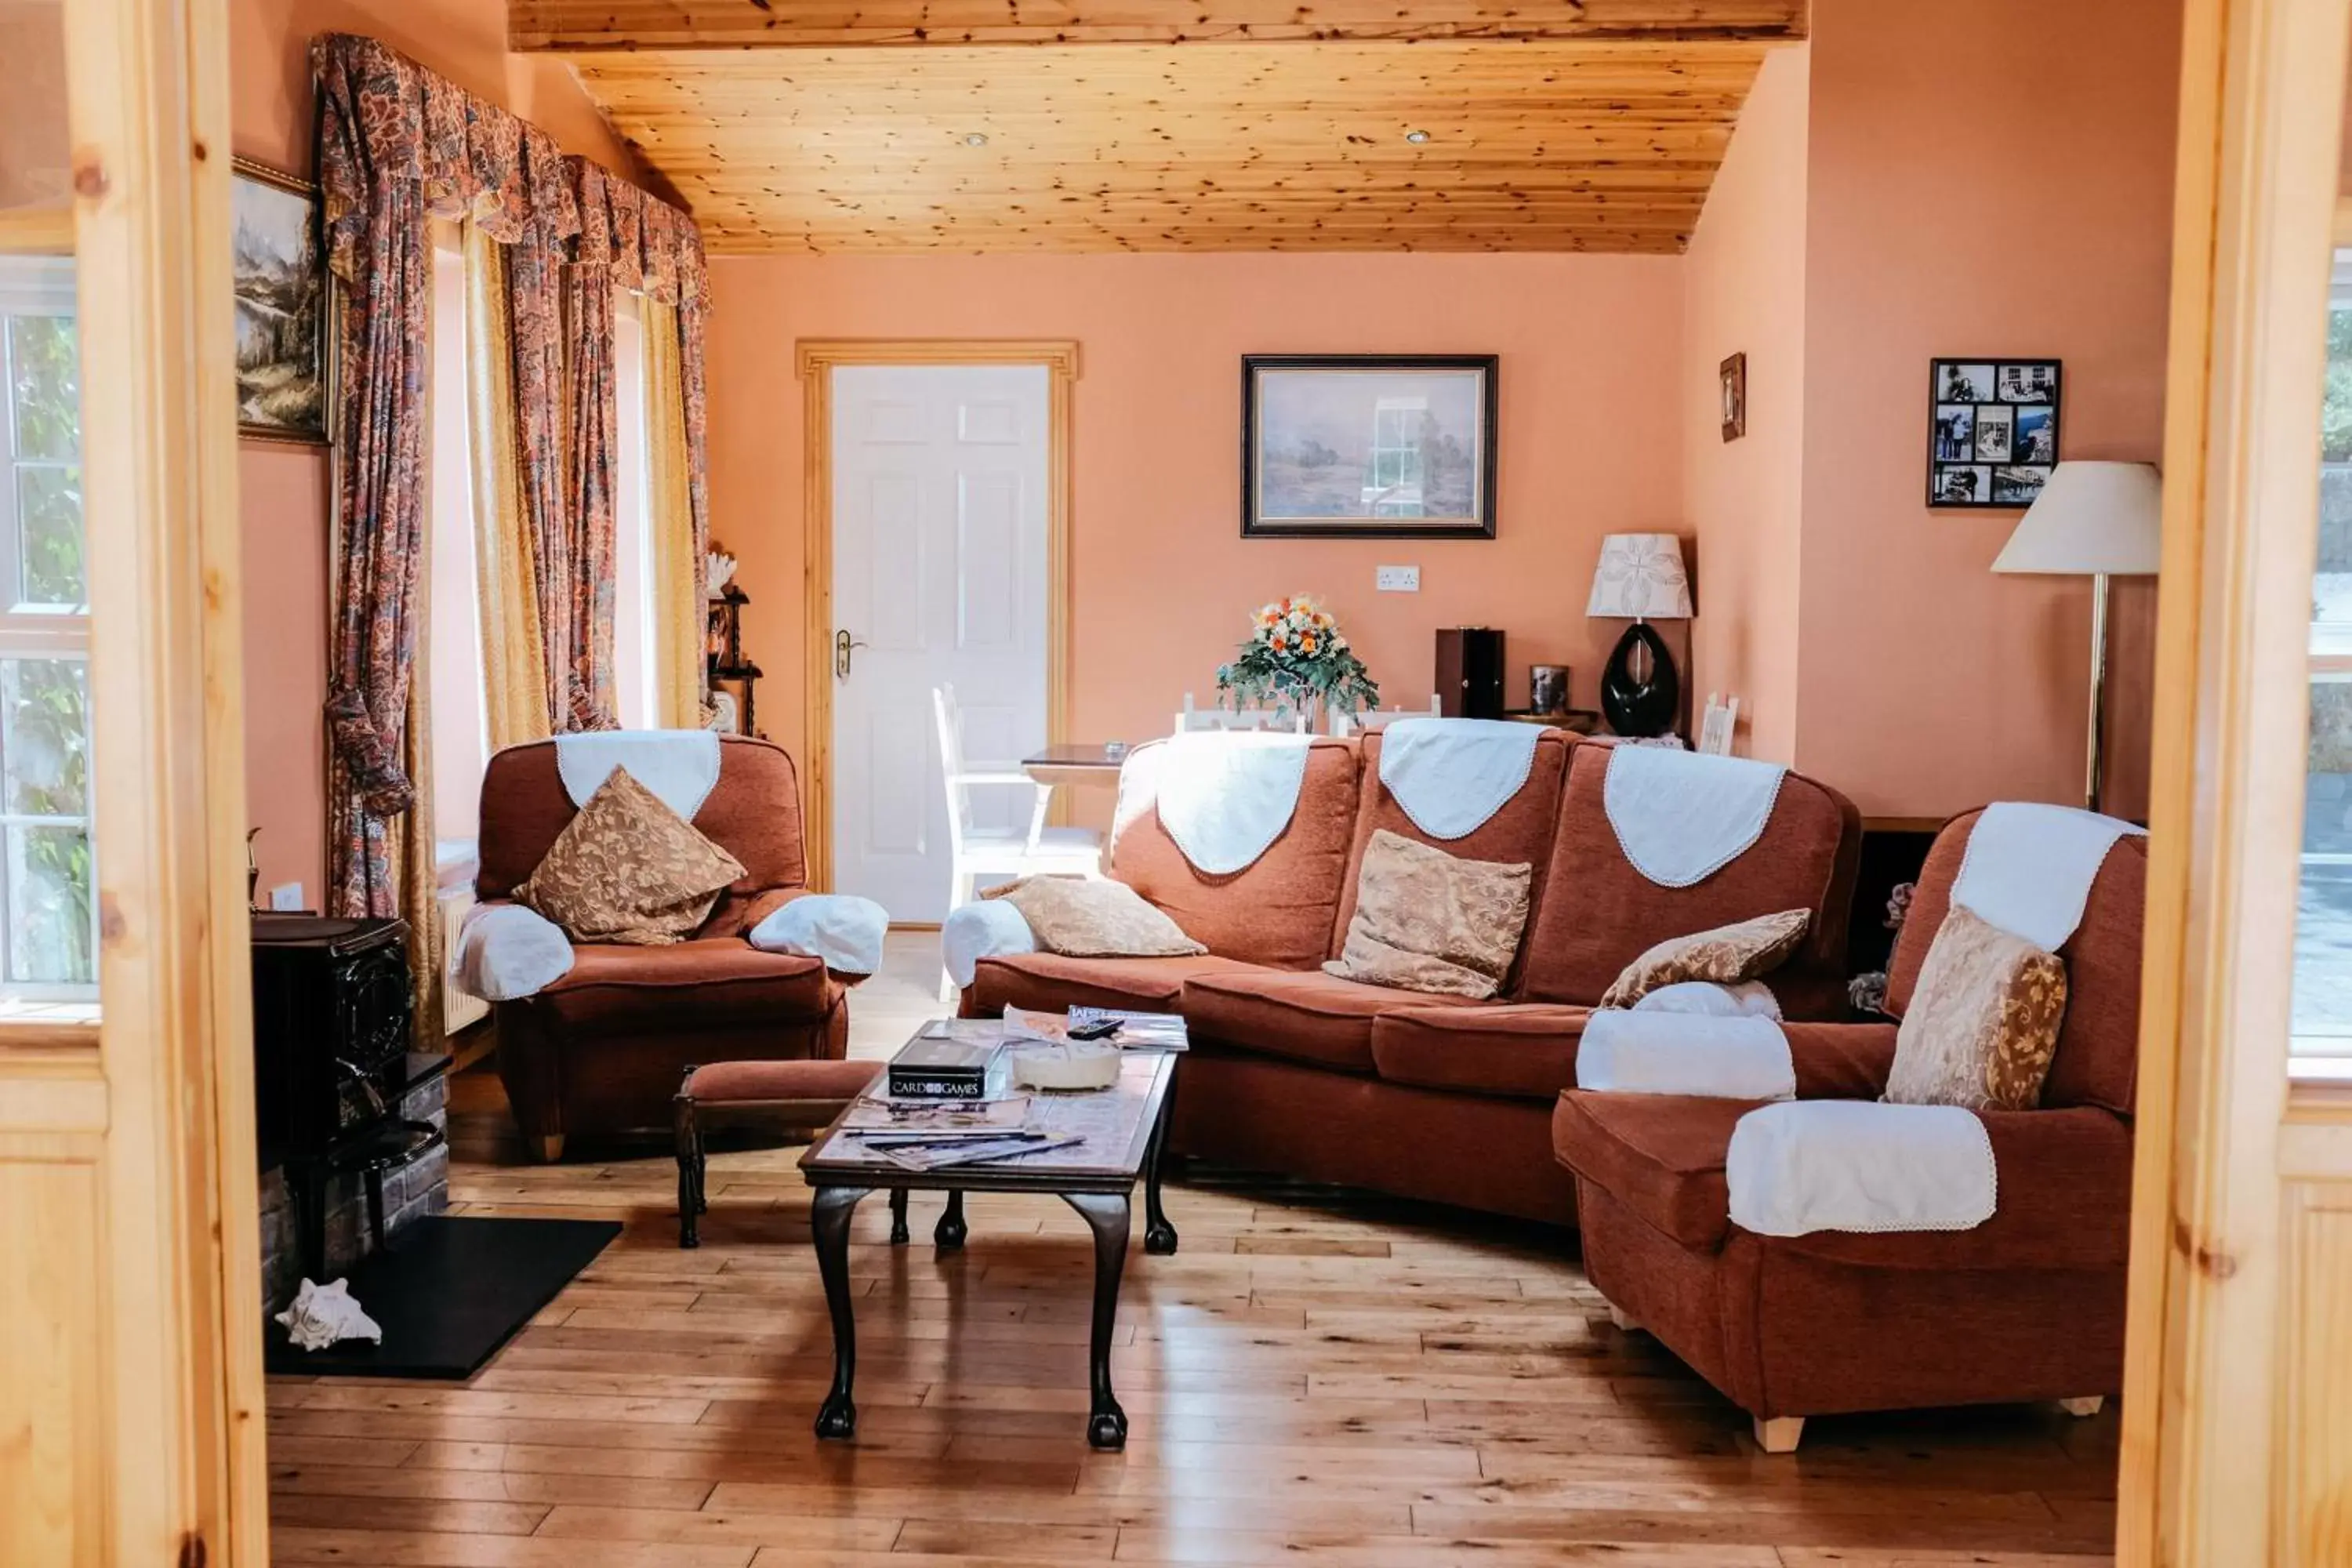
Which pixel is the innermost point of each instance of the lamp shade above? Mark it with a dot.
(1640, 575)
(2091, 518)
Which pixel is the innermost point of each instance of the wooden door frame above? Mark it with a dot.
(817, 359)
(142, 1286)
(2219, 1444)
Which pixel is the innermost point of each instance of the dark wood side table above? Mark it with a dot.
(1124, 1127)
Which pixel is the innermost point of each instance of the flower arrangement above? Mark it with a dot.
(1295, 654)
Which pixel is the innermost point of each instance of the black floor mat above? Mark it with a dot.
(453, 1291)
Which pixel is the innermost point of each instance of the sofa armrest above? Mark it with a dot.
(506, 952)
(2065, 1203)
(1840, 1061)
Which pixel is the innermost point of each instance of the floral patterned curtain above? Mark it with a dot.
(398, 143)
(647, 246)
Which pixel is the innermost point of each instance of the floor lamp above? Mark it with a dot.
(2100, 521)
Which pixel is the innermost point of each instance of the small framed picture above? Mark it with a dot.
(1733, 371)
(1963, 484)
(284, 337)
(1992, 431)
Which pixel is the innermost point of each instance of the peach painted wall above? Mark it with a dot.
(1163, 582)
(2001, 188)
(1744, 292)
(34, 154)
(285, 488)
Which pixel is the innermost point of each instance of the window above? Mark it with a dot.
(635, 689)
(461, 744)
(47, 936)
(2322, 1042)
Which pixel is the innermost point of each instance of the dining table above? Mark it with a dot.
(1075, 762)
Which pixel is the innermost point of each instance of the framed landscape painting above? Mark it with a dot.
(1368, 446)
(280, 283)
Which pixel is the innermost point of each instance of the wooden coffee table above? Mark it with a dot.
(1124, 1127)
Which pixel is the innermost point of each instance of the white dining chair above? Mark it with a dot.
(975, 851)
(1381, 717)
(1193, 718)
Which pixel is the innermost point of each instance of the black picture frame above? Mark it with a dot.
(1733, 373)
(1994, 423)
(1478, 523)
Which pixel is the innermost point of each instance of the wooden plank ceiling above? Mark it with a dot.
(1240, 125)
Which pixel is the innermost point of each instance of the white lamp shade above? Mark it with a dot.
(2091, 518)
(1640, 576)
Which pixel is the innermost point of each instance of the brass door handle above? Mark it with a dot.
(842, 642)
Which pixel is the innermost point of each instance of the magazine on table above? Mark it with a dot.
(1135, 1031)
(875, 1115)
(973, 1151)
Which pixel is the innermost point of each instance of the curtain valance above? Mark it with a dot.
(652, 247)
(385, 119)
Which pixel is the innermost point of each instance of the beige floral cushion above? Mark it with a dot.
(1983, 1020)
(1084, 917)
(627, 869)
(1727, 955)
(1427, 920)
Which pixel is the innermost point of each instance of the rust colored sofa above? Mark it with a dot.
(603, 1048)
(1426, 1097)
(2028, 1306)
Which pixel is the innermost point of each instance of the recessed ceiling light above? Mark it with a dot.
(975, 140)
(1416, 137)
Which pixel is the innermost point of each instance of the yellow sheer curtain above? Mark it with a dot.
(514, 656)
(679, 616)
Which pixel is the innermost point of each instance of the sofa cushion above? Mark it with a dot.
(1598, 914)
(688, 986)
(628, 869)
(1661, 1155)
(2097, 1062)
(1050, 982)
(1315, 1018)
(1427, 919)
(1983, 1023)
(1088, 917)
(1522, 1050)
(1281, 908)
(1522, 831)
(753, 813)
(1726, 955)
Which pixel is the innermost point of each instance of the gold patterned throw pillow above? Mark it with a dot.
(1083, 917)
(1427, 920)
(1727, 955)
(1983, 1020)
(627, 869)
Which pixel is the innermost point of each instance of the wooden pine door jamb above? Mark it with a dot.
(817, 359)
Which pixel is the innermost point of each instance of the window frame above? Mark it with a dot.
(37, 286)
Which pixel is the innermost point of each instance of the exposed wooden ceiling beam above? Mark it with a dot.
(590, 26)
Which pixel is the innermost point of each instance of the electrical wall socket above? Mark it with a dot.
(1397, 579)
(286, 896)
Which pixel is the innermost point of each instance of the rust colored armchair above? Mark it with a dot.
(602, 1047)
(2028, 1306)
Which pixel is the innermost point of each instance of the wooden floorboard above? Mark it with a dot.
(1322, 1378)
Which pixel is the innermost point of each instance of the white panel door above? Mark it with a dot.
(939, 570)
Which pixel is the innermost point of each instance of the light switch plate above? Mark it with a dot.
(1397, 579)
(286, 896)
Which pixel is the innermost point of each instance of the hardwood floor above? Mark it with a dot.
(1316, 1377)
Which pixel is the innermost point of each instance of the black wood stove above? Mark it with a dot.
(334, 1057)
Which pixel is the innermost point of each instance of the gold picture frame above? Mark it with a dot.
(285, 340)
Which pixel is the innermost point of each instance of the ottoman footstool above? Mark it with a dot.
(805, 1092)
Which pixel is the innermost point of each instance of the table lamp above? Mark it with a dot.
(1640, 575)
(2100, 521)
